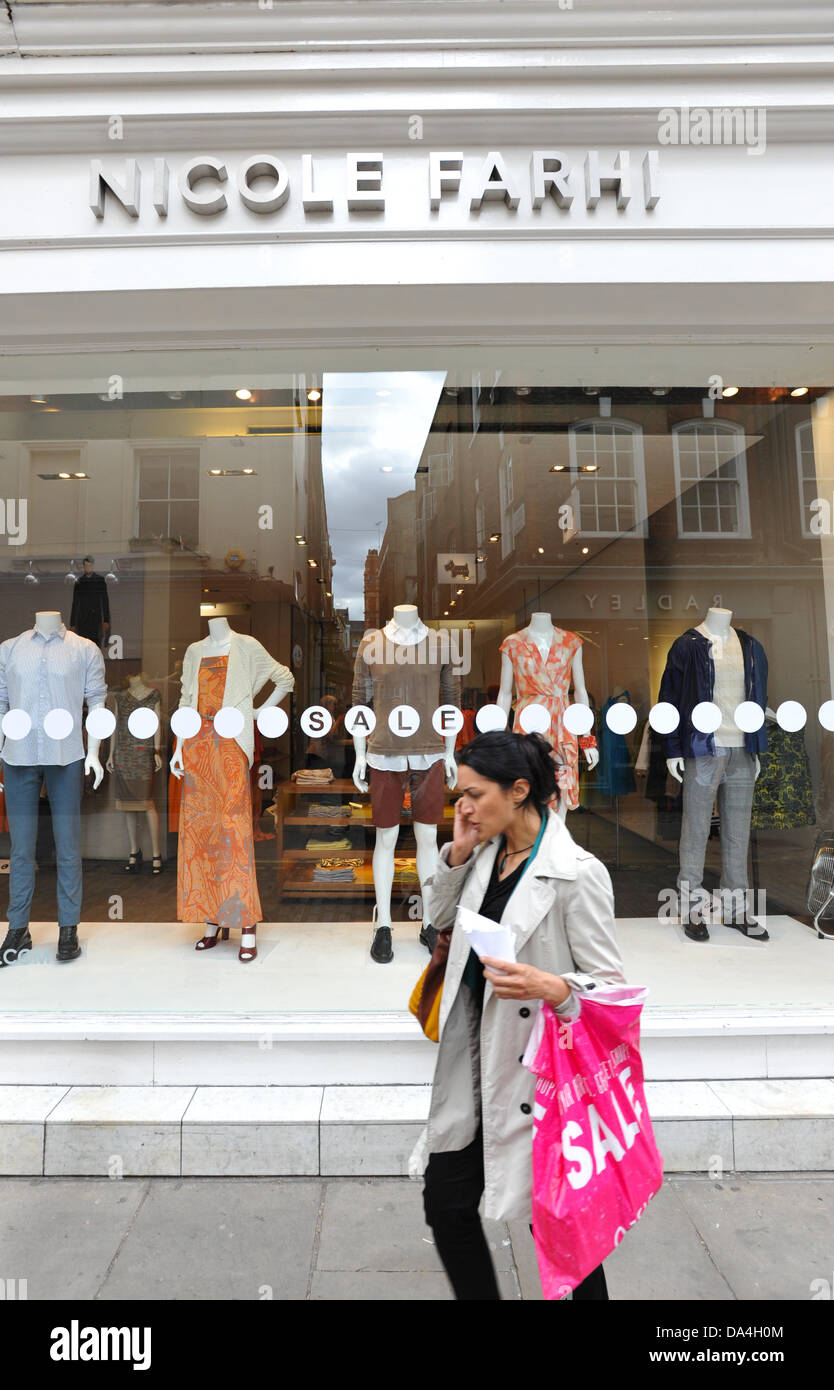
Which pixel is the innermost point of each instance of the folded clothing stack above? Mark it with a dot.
(327, 811)
(405, 869)
(313, 776)
(335, 870)
(317, 842)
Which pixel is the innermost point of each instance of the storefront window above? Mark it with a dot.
(680, 541)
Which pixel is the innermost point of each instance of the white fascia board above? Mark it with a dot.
(105, 27)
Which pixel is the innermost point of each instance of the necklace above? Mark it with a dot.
(508, 854)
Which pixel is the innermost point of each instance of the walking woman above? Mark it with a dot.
(512, 859)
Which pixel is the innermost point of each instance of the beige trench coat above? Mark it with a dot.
(562, 915)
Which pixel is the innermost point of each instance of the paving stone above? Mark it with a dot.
(199, 1239)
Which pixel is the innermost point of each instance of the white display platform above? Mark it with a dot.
(141, 1007)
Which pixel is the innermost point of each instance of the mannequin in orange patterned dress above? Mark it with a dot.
(216, 879)
(544, 662)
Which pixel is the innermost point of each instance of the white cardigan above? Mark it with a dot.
(249, 668)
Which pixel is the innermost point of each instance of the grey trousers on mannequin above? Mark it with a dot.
(731, 777)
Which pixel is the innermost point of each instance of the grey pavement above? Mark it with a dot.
(746, 1237)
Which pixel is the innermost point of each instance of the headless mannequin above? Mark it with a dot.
(717, 623)
(541, 630)
(220, 642)
(140, 691)
(405, 616)
(46, 623)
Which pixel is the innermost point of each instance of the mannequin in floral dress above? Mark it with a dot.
(544, 661)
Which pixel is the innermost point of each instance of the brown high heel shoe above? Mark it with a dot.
(247, 953)
(206, 942)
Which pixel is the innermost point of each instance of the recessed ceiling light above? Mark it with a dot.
(799, 391)
(496, 536)
(174, 395)
(248, 470)
(730, 391)
(523, 390)
(79, 475)
(590, 467)
(38, 400)
(302, 540)
(314, 394)
(243, 393)
(480, 559)
(558, 468)
(660, 390)
(541, 549)
(453, 602)
(64, 475)
(585, 549)
(592, 390)
(458, 591)
(215, 471)
(314, 564)
(445, 612)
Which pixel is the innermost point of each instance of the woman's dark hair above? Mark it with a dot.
(503, 757)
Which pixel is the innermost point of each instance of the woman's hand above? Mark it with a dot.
(464, 837)
(518, 981)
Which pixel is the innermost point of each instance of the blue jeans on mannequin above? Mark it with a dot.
(63, 787)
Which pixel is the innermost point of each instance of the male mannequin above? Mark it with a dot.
(547, 681)
(216, 863)
(46, 669)
(134, 765)
(725, 666)
(90, 613)
(394, 762)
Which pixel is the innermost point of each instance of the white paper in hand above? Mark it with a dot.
(487, 938)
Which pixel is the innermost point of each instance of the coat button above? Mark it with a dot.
(524, 1013)
(525, 1109)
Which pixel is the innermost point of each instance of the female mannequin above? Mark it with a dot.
(216, 879)
(134, 762)
(544, 662)
(395, 762)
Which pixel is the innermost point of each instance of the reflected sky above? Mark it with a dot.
(370, 421)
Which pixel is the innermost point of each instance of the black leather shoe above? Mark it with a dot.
(381, 950)
(696, 930)
(428, 936)
(749, 926)
(17, 939)
(68, 947)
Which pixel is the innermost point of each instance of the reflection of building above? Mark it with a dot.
(398, 555)
(372, 589)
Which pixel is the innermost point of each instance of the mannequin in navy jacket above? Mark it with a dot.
(724, 666)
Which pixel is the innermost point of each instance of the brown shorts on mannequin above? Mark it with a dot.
(389, 788)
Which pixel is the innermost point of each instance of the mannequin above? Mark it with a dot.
(544, 662)
(721, 664)
(45, 669)
(134, 762)
(216, 878)
(395, 762)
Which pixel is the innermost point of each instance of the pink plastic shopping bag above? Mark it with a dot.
(595, 1162)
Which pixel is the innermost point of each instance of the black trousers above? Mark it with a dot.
(454, 1185)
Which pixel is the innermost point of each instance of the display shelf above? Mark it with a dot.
(295, 865)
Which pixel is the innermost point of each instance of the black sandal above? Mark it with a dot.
(134, 863)
(157, 864)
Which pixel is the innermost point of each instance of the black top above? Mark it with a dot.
(495, 900)
(90, 606)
